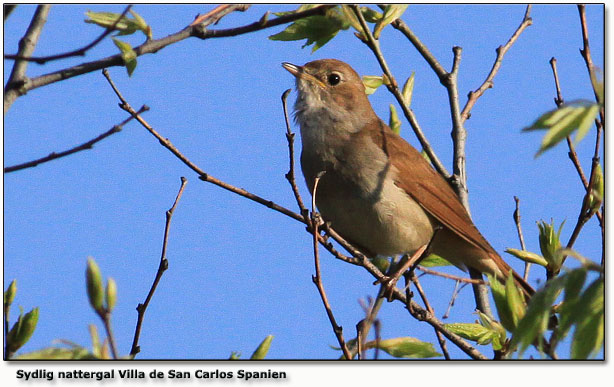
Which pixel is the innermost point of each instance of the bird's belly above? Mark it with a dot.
(385, 222)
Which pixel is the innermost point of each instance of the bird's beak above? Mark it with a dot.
(300, 73)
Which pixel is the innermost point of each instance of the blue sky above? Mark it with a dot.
(239, 271)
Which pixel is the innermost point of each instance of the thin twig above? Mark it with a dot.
(18, 83)
(442, 341)
(78, 52)
(501, 50)
(451, 276)
(106, 320)
(291, 176)
(86, 145)
(586, 54)
(371, 310)
(317, 278)
(154, 45)
(162, 267)
(202, 175)
(455, 293)
(527, 265)
(573, 155)
(393, 87)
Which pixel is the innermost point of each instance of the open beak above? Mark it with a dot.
(300, 73)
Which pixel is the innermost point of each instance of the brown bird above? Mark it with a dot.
(378, 192)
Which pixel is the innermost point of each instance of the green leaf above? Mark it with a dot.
(317, 29)
(589, 333)
(372, 82)
(394, 122)
(550, 244)
(535, 321)
(142, 24)
(22, 330)
(500, 335)
(506, 316)
(111, 294)
(562, 122)
(128, 55)
(370, 15)
(434, 260)
(126, 26)
(93, 280)
(472, 331)
(96, 345)
(9, 294)
(515, 300)
(596, 195)
(234, 355)
(528, 256)
(408, 89)
(405, 347)
(586, 121)
(568, 311)
(263, 348)
(391, 13)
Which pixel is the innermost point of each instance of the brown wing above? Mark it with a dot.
(435, 195)
(428, 187)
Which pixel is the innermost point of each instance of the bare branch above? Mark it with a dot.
(78, 52)
(141, 308)
(86, 145)
(202, 175)
(527, 265)
(291, 176)
(17, 83)
(317, 278)
(501, 50)
(442, 342)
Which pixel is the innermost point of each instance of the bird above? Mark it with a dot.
(375, 189)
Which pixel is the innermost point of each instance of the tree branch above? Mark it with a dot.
(152, 46)
(317, 278)
(291, 176)
(501, 50)
(86, 145)
(78, 52)
(141, 308)
(17, 83)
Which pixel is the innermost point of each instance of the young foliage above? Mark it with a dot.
(125, 25)
(263, 348)
(561, 122)
(317, 29)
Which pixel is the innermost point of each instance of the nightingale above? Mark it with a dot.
(377, 191)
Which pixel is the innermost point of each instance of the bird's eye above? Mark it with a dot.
(333, 79)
